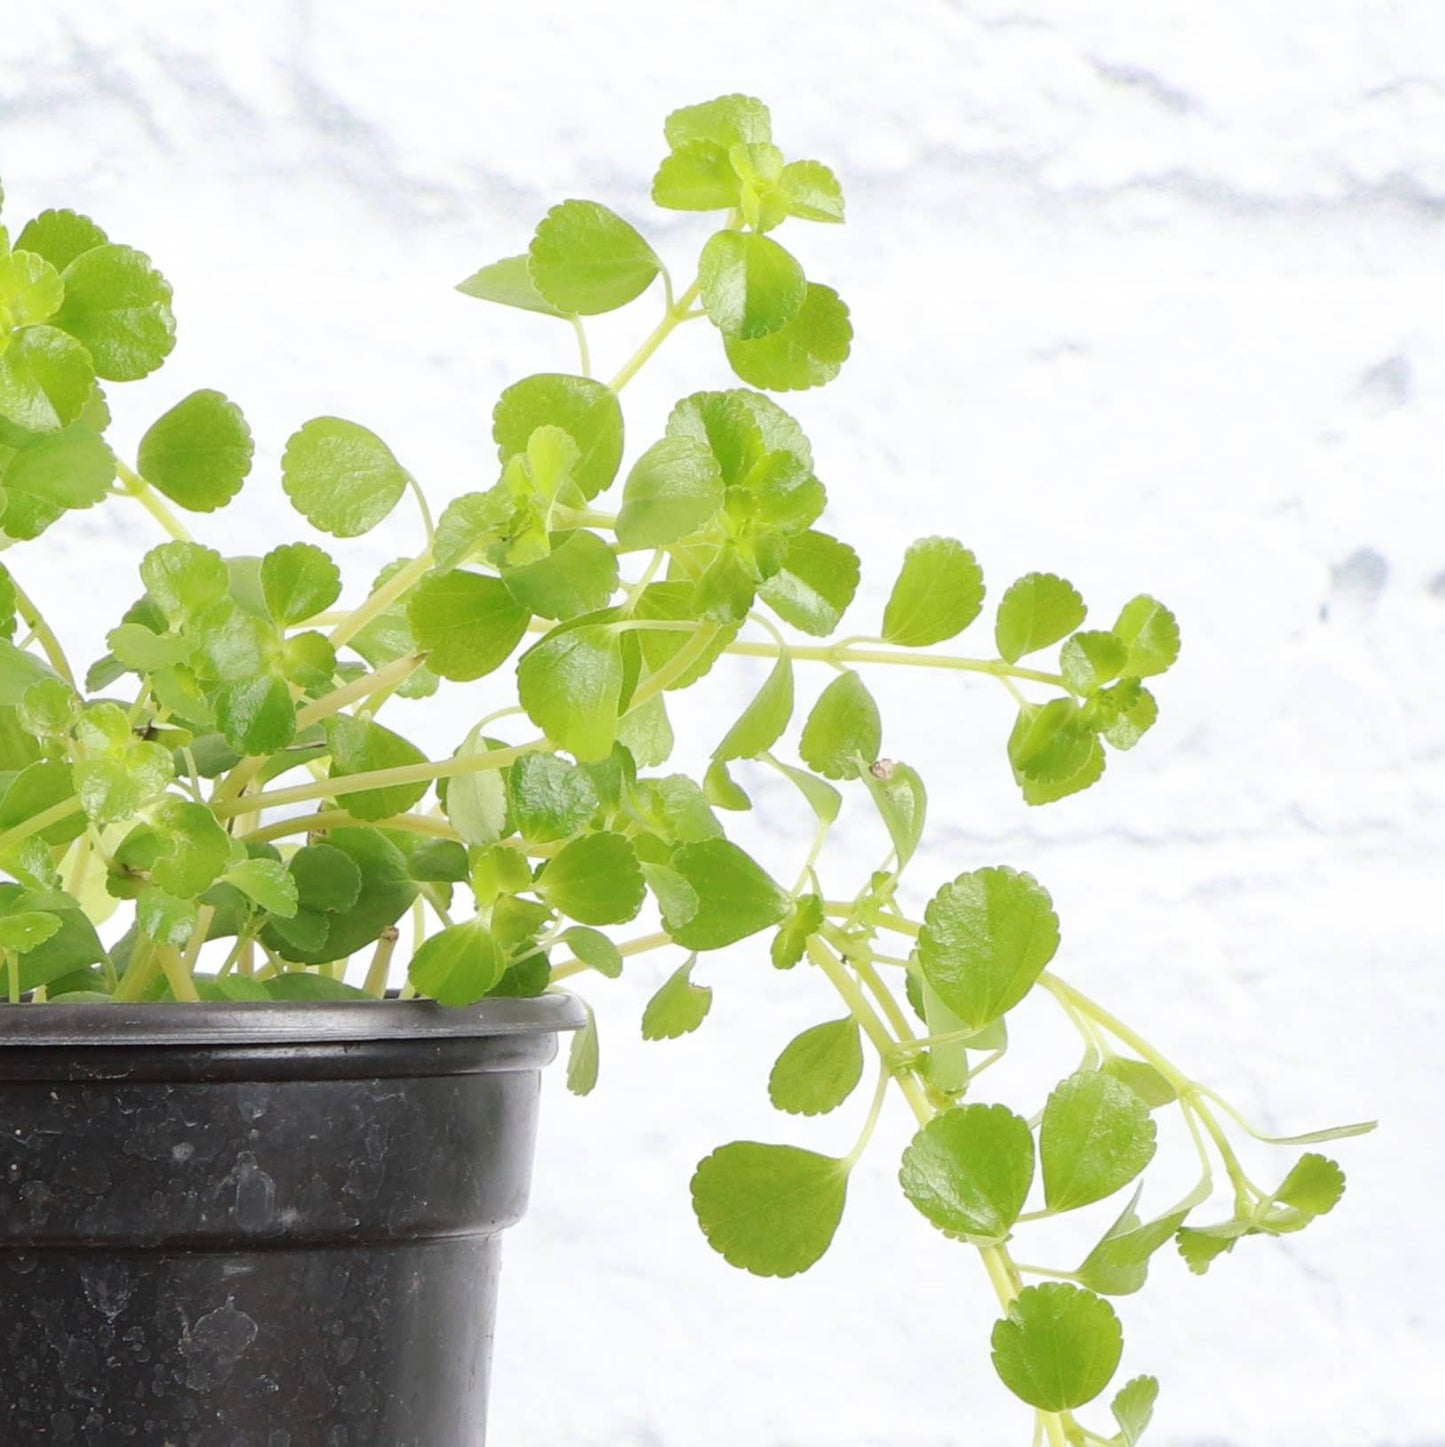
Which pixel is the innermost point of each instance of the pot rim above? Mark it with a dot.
(282, 1022)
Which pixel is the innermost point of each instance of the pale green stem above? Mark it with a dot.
(327, 819)
(641, 946)
(583, 353)
(381, 600)
(423, 507)
(674, 668)
(672, 318)
(38, 823)
(380, 968)
(43, 633)
(848, 656)
(424, 773)
(874, 1111)
(137, 487)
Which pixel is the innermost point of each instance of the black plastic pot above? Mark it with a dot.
(267, 1225)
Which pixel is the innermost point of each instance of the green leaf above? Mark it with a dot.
(1096, 1136)
(570, 684)
(550, 798)
(467, 623)
(119, 307)
(939, 592)
(268, 883)
(902, 803)
(196, 847)
(30, 288)
(969, 1170)
(1124, 713)
(586, 410)
(750, 285)
(46, 379)
(199, 453)
(678, 1007)
(1053, 751)
(1313, 1187)
(256, 715)
(769, 1209)
(470, 524)
(386, 892)
(182, 579)
(594, 949)
(360, 746)
(722, 792)
(70, 948)
(1090, 659)
(342, 478)
(842, 728)
(594, 880)
(743, 430)
(1144, 1080)
(806, 351)
(823, 799)
(298, 581)
(476, 803)
(509, 283)
(1151, 635)
(587, 259)
(1037, 610)
(730, 120)
(457, 966)
(819, 1069)
(326, 878)
(60, 236)
(165, 919)
(790, 943)
(1119, 1264)
(36, 788)
(1058, 1347)
(72, 468)
(1133, 1408)
(24, 930)
(986, 938)
(645, 731)
(815, 584)
(697, 176)
(582, 1056)
(135, 646)
(762, 722)
(735, 897)
(812, 190)
(674, 488)
(578, 576)
(19, 672)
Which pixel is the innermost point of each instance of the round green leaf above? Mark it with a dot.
(969, 1170)
(587, 259)
(819, 1069)
(30, 288)
(697, 176)
(750, 285)
(674, 488)
(199, 453)
(595, 880)
(594, 949)
(181, 579)
(476, 803)
(843, 727)
(467, 623)
(458, 965)
(815, 585)
(341, 477)
(1053, 751)
(46, 379)
(60, 236)
(266, 882)
(36, 788)
(26, 929)
(361, 746)
(939, 592)
(986, 938)
(1037, 610)
(812, 190)
(327, 879)
(771, 1210)
(735, 897)
(550, 798)
(1150, 633)
(59, 471)
(1058, 1347)
(119, 307)
(578, 576)
(677, 1008)
(298, 581)
(806, 351)
(1096, 1136)
(571, 686)
(586, 410)
(730, 120)
(256, 715)
(197, 848)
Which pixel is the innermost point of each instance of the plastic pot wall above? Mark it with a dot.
(260, 1225)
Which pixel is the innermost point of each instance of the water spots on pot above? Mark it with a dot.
(255, 1207)
(214, 1345)
(108, 1287)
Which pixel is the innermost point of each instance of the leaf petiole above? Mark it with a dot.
(135, 486)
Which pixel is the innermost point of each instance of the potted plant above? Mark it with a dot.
(279, 983)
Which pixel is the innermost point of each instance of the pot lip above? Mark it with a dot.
(282, 1022)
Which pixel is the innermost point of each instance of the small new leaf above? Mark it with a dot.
(1133, 1408)
(1037, 610)
(674, 488)
(819, 1069)
(806, 351)
(1151, 635)
(678, 1007)
(815, 585)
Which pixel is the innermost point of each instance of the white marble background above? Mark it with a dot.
(1147, 293)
